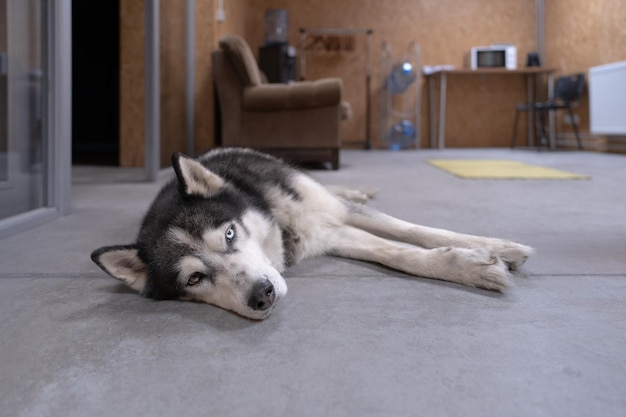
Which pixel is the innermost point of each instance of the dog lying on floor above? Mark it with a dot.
(226, 228)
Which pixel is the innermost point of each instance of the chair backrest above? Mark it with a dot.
(239, 53)
(569, 88)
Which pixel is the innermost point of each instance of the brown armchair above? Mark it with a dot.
(298, 121)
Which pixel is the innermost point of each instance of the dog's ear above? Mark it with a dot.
(195, 178)
(123, 263)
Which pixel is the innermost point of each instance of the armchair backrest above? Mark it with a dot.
(229, 89)
(240, 55)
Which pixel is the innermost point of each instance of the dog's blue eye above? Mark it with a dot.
(230, 234)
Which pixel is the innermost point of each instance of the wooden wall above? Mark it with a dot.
(132, 105)
(204, 43)
(579, 34)
(173, 79)
(582, 34)
(480, 110)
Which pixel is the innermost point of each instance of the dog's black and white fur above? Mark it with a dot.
(226, 228)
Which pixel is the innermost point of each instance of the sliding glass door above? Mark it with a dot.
(35, 83)
(22, 147)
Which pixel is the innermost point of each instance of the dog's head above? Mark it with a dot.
(203, 240)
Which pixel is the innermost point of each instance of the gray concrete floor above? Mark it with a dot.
(350, 338)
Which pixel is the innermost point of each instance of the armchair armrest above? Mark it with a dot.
(297, 95)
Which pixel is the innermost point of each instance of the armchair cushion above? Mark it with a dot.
(297, 95)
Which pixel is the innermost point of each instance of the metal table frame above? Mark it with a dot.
(438, 134)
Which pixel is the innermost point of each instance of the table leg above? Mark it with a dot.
(432, 130)
(530, 99)
(442, 111)
(551, 114)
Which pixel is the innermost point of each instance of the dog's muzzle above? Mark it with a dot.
(262, 296)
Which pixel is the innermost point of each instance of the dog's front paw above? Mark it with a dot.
(480, 268)
(488, 271)
(512, 254)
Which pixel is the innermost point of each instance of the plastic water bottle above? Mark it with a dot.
(402, 135)
(401, 77)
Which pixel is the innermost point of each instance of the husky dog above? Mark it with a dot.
(225, 229)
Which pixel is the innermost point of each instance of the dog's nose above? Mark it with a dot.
(262, 296)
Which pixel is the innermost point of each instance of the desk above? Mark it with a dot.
(530, 73)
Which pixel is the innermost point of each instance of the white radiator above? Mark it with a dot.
(607, 99)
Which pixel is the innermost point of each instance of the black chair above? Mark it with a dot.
(567, 92)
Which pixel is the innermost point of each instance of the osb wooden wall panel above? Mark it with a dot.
(173, 73)
(173, 78)
(235, 22)
(445, 30)
(581, 34)
(131, 83)
(204, 89)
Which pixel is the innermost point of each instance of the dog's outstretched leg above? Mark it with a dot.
(472, 267)
(358, 195)
(383, 225)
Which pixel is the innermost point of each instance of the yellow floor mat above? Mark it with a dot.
(501, 169)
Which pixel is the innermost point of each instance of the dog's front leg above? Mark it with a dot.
(472, 267)
(384, 225)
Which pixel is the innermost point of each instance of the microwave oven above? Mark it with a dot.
(494, 56)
